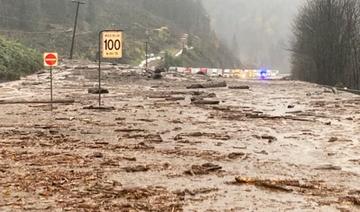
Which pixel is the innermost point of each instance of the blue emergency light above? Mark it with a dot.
(263, 74)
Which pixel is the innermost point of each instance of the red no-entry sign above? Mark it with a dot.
(50, 59)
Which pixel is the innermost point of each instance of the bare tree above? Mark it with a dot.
(327, 43)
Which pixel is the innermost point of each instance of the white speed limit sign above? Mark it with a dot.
(112, 44)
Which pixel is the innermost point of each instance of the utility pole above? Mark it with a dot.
(146, 49)
(75, 26)
(146, 54)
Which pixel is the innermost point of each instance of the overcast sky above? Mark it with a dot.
(261, 28)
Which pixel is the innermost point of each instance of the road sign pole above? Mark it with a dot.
(50, 61)
(100, 68)
(51, 88)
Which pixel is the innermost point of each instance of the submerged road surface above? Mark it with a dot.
(278, 146)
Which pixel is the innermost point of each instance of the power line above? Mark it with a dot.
(22, 21)
(52, 32)
(33, 32)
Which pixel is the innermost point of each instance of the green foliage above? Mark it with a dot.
(17, 60)
(171, 61)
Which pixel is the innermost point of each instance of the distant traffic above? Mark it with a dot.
(229, 73)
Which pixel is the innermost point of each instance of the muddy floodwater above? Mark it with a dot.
(158, 146)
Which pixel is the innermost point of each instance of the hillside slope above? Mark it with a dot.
(47, 25)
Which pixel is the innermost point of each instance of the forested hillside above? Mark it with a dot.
(258, 32)
(47, 25)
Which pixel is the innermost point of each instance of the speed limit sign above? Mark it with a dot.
(112, 44)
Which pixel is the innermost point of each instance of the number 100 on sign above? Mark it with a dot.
(112, 44)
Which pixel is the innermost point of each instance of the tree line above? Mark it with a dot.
(326, 45)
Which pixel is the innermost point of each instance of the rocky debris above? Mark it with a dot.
(129, 130)
(138, 168)
(328, 167)
(147, 120)
(202, 96)
(286, 78)
(157, 76)
(96, 91)
(205, 102)
(159, 96)
(286, 117)
(262, 152)
(291, 106)
(129, 158)
(240, 87)
(208, 85)
(154, 138)
(31, 83)
(59, 101)
(195, 192)
(97, 155)
(202, 134)
(237, 155)
(91, 107)
(204, 169)
(334, 90)
(120, 119)
(352, 199)
(333, 139)
(175, 98)
(269, 184)
(270, 138)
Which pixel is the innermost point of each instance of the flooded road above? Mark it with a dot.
(278, 146)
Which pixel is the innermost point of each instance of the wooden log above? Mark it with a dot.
(4, 102)
(241, 87)
(99, 108)
(174, 98)
(206, 102)
(343, 89)
(208, 85)
(96, 91)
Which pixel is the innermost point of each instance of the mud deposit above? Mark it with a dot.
(278, 146)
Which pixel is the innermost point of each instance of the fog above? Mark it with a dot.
(258, 32)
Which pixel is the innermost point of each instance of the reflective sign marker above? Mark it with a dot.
(112, 44)
(50, 59)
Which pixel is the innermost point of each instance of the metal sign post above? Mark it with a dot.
(51, 88)
(51, 60)
(146, 54)
(110, 47)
